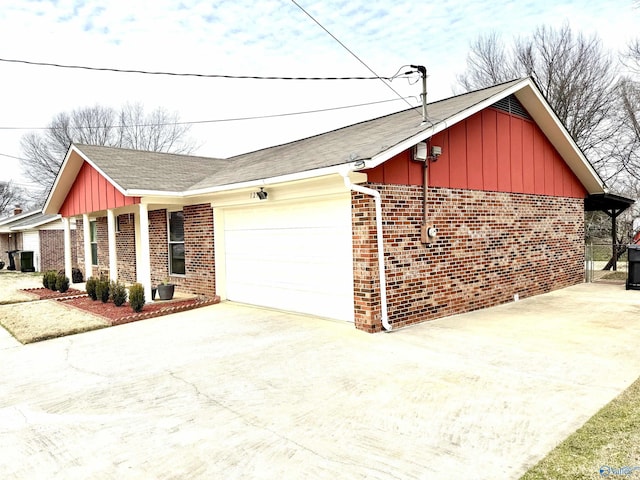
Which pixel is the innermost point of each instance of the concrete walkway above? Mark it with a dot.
(231, 391)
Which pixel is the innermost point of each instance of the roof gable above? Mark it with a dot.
(136, 173)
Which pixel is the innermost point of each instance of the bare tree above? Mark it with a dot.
(159, 131)
(10, 195)
(574, 72)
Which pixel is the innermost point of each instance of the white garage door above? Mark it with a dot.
(293, 256)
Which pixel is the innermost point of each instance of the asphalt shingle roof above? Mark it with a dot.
(134, 169)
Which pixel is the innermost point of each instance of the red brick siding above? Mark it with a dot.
(126, 248)
(158, 247)
(199, 275)
(79, 244)
(490, 246)
(52, 250)
(199, 250)
(103, 247)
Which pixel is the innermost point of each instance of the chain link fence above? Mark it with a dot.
(598, 256)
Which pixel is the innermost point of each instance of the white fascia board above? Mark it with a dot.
(101, 172)
(56, 182)
(262, 182)
(565, 136)
(61, 174)
(444, 124)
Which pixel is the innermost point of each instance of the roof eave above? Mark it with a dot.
(339, 169)
(66, 177)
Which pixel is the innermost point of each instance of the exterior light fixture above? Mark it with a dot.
(262, 195)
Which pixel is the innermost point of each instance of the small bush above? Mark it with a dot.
(102, 289)
(136, 297)
(49, 279)
(62, 283)
(90, 287)
(46, 279)
(118, 293)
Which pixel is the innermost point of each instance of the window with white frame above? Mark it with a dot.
(93, 238)
(176, 243)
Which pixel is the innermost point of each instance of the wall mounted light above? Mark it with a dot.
(262, 195)
(436, 151)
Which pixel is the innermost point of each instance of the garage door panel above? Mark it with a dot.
(295, 256)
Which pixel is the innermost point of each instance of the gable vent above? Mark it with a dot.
(513, 106)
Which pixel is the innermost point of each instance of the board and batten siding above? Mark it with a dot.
(489, 151)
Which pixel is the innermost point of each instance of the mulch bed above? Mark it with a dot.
(118, 315)
(47, 294)
(124, 314)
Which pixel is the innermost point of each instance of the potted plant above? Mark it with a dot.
(165, 290)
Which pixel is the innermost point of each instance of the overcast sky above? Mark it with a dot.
(254, 37)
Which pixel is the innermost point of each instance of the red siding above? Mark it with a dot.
(490, 151)
(91, 192)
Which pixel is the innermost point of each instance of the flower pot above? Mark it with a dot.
(153, 293)
(165, 291)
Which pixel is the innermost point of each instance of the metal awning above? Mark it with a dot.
(607, 202)
(613, 205)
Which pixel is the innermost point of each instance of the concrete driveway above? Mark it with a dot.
(232, 391)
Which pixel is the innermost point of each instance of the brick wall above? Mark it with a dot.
(158, 247)
(52, 250)
(199, 250)
(490, 246)
(126, 248)
(102, 233)
(199, 275)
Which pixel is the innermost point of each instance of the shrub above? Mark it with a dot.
(52, 278)
(62, 282)
(102, 289)
(136, 297)
(46, 279)
(90, 287)
(118, 293)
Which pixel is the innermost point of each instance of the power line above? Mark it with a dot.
(350, 51)
(220, 120)
(182, 74)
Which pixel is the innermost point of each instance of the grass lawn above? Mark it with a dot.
(610, 441)
(36, 321)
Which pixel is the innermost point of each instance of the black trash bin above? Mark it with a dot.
(26, 262)
(633, 270)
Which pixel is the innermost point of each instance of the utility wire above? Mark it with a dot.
(220, 120)
(176, 74)
(350, 51)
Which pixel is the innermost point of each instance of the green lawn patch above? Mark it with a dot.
(610, 441)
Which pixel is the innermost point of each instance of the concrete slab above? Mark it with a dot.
(239, 392)
(7, 340)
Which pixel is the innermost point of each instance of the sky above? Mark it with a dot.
(256, 38)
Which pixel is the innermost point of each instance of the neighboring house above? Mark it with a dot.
(37, 240)
(296, 226)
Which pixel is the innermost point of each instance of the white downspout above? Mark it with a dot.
(381, 269)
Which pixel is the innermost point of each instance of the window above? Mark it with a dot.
(176, 243)
(93, 238)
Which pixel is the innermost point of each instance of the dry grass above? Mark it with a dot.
(609, 440)
(42, 320)
(31, 321)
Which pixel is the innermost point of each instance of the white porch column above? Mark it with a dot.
(113, 254)
(86, 231)
(68, 266)
(143, 252)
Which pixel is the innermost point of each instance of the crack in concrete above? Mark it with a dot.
(67, 353)
(252, 423)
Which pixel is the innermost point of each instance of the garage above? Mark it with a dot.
(291, 255)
